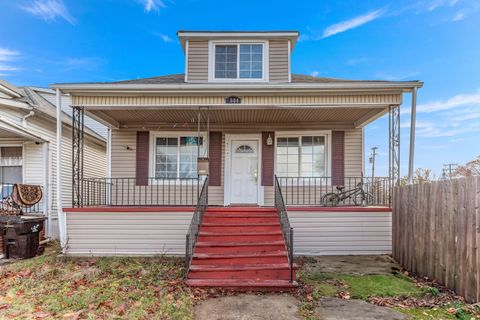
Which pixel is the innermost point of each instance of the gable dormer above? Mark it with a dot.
(237, 56)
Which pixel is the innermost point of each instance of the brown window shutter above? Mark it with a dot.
(338, 157)
(142, 158)
(268, 161)
(215, 161)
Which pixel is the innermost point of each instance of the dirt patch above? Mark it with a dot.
(340, 309)
(355, 265)
(249, 307)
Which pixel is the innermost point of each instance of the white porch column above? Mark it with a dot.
(109, 165)
(62, 226)
(413, 116)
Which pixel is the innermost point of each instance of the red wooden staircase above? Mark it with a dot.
(241, 248)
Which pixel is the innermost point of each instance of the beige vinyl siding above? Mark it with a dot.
(278, 61)
(123, 160)
(127, 233)
(33, 163)
(197, 61)
(341, 233)
(318, 100)
(353, 153)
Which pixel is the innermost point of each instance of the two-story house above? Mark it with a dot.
(220, 162)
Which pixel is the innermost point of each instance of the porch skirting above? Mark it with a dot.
(162, 231)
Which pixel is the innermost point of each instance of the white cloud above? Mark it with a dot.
(8, 55)
(85, 63)
(355, 61)
(352, 23)
(397, 77)
(166, 38)
(6, 67)
(459, 16)
(153, 5)
(442, 128)
(440, 3)
(451, 103)
(49, 10)
(315, 74)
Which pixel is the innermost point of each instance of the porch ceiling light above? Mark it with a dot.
(269, 140)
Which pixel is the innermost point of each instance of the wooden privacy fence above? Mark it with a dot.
(436, 232)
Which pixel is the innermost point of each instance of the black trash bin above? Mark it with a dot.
(21, 236)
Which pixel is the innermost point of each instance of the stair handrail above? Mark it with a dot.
(287, 230)
(195, 223)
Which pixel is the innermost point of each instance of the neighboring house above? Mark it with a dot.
(238, 105)
(28, 147)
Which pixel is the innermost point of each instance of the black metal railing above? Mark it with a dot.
(132, 192)
(195, 223)
(285, 224)
(8, 206)
(312, 190)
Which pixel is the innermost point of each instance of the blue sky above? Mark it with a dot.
(436, 41)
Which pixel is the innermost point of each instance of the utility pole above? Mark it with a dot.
(372, 160)
(448, 169)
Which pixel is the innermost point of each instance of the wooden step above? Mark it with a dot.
(241, 209)
(272, 257)
(239, 227)
(240, 258)
(240, 215)
(280, 271)
(237, 247)
(244, 285)
(237, 219)
(240, 236)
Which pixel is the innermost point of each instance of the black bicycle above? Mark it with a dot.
(359, 195)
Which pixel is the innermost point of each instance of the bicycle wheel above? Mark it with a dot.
(330, 199)
(363, 199)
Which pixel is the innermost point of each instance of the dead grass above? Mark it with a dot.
(48, 287)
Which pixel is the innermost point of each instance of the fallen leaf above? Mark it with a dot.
(121, 309)
(452, 310)
(344, 295)
(4, 306)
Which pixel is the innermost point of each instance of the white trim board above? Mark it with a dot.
(228, 162)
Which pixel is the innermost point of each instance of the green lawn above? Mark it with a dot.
(370, 286)
(132, 288)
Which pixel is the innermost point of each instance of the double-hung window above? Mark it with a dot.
(301, 156)
(176, 156)
(11, 164)
(239, 61)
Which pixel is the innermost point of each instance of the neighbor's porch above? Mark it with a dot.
(23, 160)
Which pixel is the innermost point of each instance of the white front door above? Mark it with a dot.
(244, 172)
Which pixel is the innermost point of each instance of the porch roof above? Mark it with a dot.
(240, 118)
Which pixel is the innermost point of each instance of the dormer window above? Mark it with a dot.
(244, 61)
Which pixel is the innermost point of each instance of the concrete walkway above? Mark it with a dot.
(285, 307)
(249, 307)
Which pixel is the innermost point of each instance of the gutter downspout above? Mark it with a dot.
(46, 187)
(413, 119)
(60, 213)
(24, 118)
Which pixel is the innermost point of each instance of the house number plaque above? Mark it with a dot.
(233, 100)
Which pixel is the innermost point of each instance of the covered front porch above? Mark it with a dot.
(160, 156)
